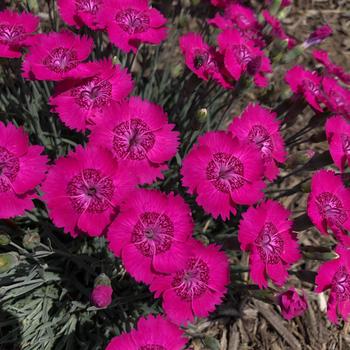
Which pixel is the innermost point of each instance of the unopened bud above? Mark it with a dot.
(202, 114)
(115, 60)
(31, 240)
(4, 239)
(8, 261)
(101, 295)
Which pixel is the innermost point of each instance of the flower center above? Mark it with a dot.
(203, 59)
(341, 284)
(242, 54)
(11, 33)
(331, 208)
(310, 86)
(132, 21)
(133, 139)
(260, 136)
(269, 244)
(152, 347)
(193, 281)
(9, 168)
(346, 143)
(61, 60)
(225, 171)
(153, 233)
(90, 191)
(90, 6)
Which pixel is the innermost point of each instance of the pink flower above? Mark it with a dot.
(329, 205)
(138, 134)
(241, 56)
(15, 29)
(223, 3)
(260, 127)
(292, 303)
(338, 136)
(152, 333)
(81, 103)
(84, 190)
(56, 56)
(202, 59)
(335, 275)
(101, 296)
(306, 83)
(320, 34)
(223, 172)
(266, 232)
(78, 13)
(150, 234)
(22, 168)
(132, 22)
(198, 287)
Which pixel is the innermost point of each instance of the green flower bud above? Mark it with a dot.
(8, 261)
(102, 280)
(4, 238)
(201, 114)
(31, 240)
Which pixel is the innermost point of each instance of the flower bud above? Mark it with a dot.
(201, 114)
(292, 304)
(31, 240)
(317, 36)
(4, 238)
(101, 296)
(8, 261)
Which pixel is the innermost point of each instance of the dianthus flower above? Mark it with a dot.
(260, 127)
(318, 36)
(56, 56)
(292, 303)
(223, 172)
(223, 3)
(150, 234)
(196, 288)
(266, 232)
(15, 30)
(335, 275)
(152, 333)
(22, 168)
(338, 136)
(138, 134)
(329, 205)
(81, 103)
(132, 22)
(84, 190)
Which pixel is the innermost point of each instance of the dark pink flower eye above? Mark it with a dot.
(9, 168)
(341, 284)
(132, 21)
(204, 59)
(260, 136)
(152, 347)
(61, 60)
(242, 54)
(90, 6)
(11, 34)
(346, 143)
(331, 207)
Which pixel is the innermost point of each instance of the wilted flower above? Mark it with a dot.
(320, 34)
(292, 304)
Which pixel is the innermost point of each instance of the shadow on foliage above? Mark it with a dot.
(10, 331)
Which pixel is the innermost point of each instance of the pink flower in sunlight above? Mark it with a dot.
(223, 172)
(152, 333)
(150, 234)
(138, 134)
(15, 31)
(329, 205)
(22, 168)
(81, 103)
(132, 22)
(84, 190)
(260, 127)
(292, 304)
(196, 288)
(56, 56)
(338, 136)
(266, 232)
(318, 36)
(335, 275)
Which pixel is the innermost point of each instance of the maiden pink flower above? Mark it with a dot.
(318, 36)
(260, 127)
(151, 233)
(138, 134)
(292, 304)
(266, 232)
(56, 56)
(101, 296)
(223, 172)
(15, 29)
(338, 136)
(196, 288)
(335, 275)
(152, 333)
(329, 205)
(22, 168)
(132, 22)
(84, 190)
(81, 103)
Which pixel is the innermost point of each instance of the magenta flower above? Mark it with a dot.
(15, 30)
(202, 59)
(223, 3)
(22, 168)
(241, 56)
(223, 172)
(150, 234)
(78, 13)
(138, 134)
(152, 333)
(292, 304)
(335, 275)
(56, 56)
(329, 205)
(84, 190)
(338, 136)
(81, 103)
(306, 83)
(260, 127)
(101, 296)
(198, 287)
(266, 232)
(132, 22)
(320, 34)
